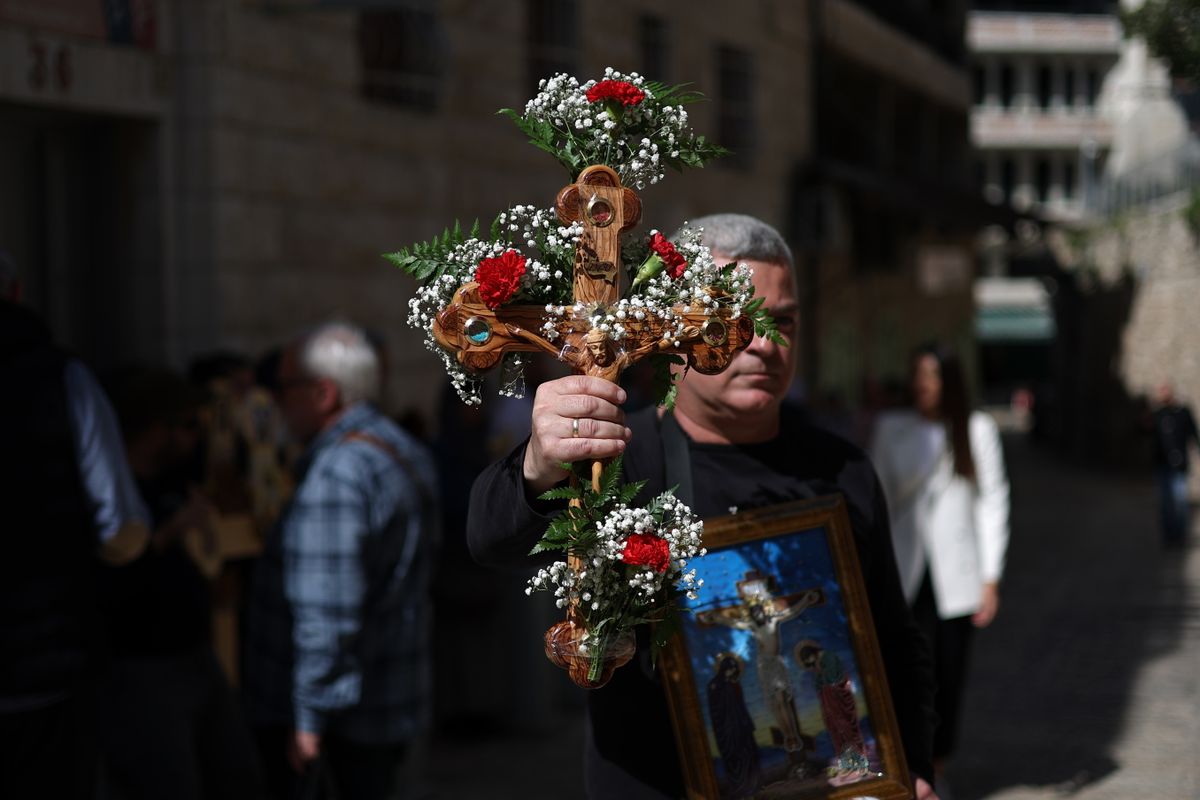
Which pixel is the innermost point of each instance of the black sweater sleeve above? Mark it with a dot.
(503, 524)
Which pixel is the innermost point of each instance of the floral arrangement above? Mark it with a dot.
(635, 126)
(634, 560)
(529, 256)
(626, 565)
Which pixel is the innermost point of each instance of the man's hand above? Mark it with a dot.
(558, 404)
(924, 790)
(303, 747)
(989, 604)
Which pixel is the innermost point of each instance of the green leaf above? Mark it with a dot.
(630, 491)
(544, 547)
(610, 479)
(664, 382)
(560, 493)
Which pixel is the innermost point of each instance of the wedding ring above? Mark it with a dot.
(575, 428)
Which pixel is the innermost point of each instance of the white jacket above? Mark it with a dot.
(956, 526)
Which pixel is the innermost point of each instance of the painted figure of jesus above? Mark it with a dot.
(761, 613)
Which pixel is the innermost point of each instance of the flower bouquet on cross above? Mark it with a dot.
(575, 281)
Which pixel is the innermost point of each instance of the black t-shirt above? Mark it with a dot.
(631, 749)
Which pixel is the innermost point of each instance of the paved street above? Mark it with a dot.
(1086, 686)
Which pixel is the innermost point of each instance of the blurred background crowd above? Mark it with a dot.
(186, 185)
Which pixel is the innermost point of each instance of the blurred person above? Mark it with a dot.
(245, 444)
(734, 442)
(338, 678)
(942, 468)
(224, 366)
(70, 502)
(172, 726)
(1174, 428)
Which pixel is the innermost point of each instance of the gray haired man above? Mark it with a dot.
(337, 663)
(730, 441)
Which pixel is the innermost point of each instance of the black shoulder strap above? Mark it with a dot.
(677, 459)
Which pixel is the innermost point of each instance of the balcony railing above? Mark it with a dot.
(1060, 34)
(1147, 182)
(995, 128)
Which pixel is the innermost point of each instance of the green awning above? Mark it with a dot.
(1014, 324)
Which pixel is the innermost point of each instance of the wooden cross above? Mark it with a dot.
(479, 336)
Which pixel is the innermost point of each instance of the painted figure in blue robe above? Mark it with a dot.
(733, 728)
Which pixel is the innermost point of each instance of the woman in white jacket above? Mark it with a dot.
(942, 470)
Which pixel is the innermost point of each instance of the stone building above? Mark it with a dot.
(1076, 125)
(1037, 78)
(182, 175)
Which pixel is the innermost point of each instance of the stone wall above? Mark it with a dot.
(1138, 279)
(277, 184)
(312, 181)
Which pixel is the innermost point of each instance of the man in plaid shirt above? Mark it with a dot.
(337, 662)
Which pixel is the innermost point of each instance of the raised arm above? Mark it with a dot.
(505, 519)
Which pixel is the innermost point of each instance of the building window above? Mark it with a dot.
(1041, 179)
(1069, 87)
(1045, 86)
(1091, 88)
(735, 104)
(400, 53)
(654, 42)
(553, 39)
(1068, 187)
(1008, 179)
(1006, 86)
(979, 74)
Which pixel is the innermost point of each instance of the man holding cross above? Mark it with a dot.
(728, 443)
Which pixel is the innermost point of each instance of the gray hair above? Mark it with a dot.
(342, 352)
(743, 238)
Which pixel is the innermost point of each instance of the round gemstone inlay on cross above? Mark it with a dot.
(477, 330)
(714, 333)
(599, 212)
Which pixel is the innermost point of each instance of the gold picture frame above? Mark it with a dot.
(775, 681)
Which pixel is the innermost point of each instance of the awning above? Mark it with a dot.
(1013, 310)
(1014, 324)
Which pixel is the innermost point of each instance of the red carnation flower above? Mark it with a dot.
(674, 260)
(498, 278)
(647, 550)
(622, 91)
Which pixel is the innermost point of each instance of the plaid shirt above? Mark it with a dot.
(338, 621)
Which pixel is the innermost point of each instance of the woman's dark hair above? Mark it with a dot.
(954, 407)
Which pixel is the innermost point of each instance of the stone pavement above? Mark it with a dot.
(1085, 687)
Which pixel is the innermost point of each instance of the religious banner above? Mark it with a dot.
(776, 684)
(576, 281)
